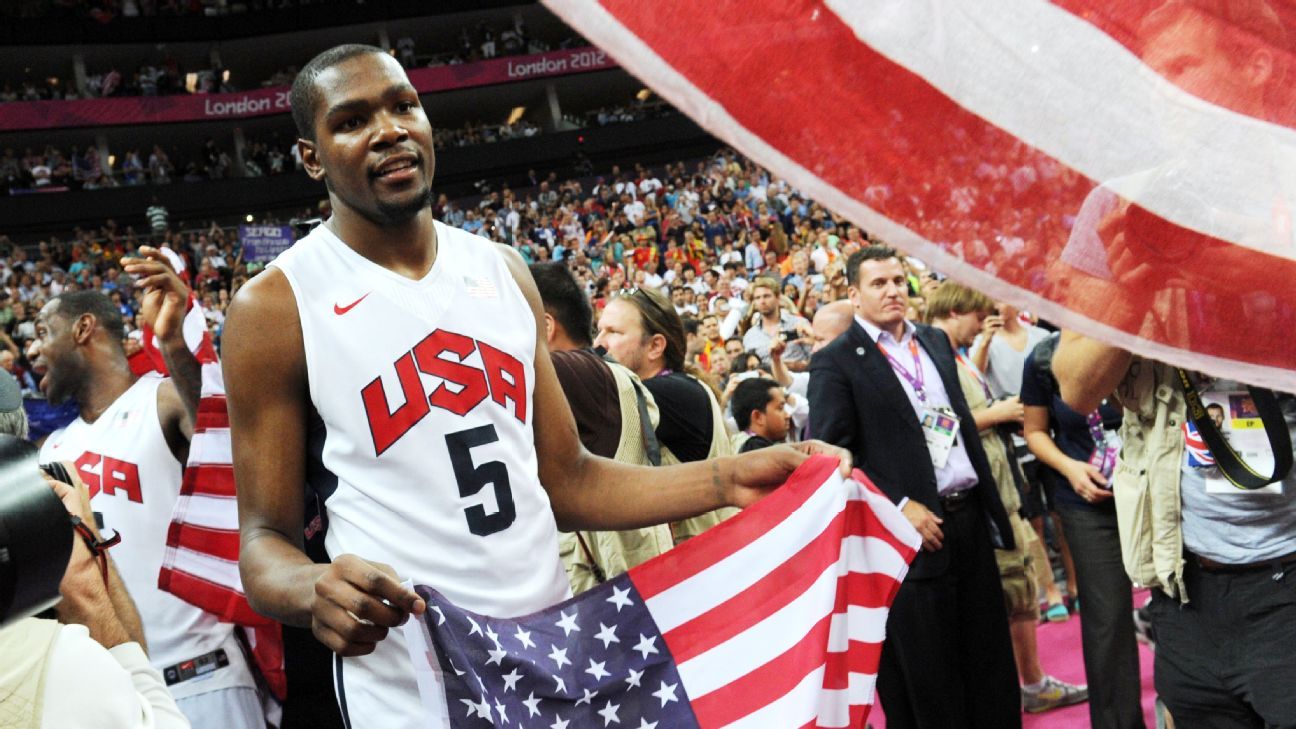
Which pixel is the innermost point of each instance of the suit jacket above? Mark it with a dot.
(858, 403)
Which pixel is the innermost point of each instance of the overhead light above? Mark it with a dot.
(191, 82)
(52, 81)
(249, 217)
(643, 94)
(225, 75)
(516, 114)
(112, 160)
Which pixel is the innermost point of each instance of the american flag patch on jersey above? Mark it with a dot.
(1199, 456)
(480, 288)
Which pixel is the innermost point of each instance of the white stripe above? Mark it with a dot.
(211, 446)
(1065, 87)
(733, 574)
(785, 627)
(213, 383)
(212, 512)
(593, 21)
(212, 569)
(889, 514)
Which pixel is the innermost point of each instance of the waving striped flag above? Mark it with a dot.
(1121, 167)
(200, 563)
(775, 618)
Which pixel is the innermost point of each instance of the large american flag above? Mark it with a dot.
(774, 618)
(1124, 168)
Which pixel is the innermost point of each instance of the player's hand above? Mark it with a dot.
(165, 296)
(356, 602)
(927, 524)
(756, 473)
(1088, 482)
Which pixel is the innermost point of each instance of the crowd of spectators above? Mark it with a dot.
(106, 11)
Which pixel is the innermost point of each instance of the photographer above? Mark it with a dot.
(770, 321)
(95, 645)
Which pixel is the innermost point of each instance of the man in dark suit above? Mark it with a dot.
(883, 390)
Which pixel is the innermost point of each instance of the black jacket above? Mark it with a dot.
(858, 403)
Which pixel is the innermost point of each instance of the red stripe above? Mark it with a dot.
(656, 576)
(859, 657)
(787, 582)
(1121, 21)
(229, 606)
(212, 413)
(218, 543)
(905, 137)
(209, 479)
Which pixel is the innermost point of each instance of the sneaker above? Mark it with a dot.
(1054, 694)
(1056, 613)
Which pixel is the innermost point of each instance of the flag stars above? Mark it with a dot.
(559, 656)
(666, 693)
(620, 598)
(440, 615)
(647, 645)
(500, 708)
(524, 638)
(596, 669)
(510, 680)
(562, 686)
(609, 713)
(645, 724)
(496, 657)
(481, 710)
(532, 704)
(568, 624)
(559, 723)
(493, 637)
(635, 678)
(607, 635)
(476, 629)
(587, 698)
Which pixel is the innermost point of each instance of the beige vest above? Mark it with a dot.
(26, 647)
(720, 446)
(617, 552)
(1146, 481)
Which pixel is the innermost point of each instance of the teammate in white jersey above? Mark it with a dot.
(408, 383)
(129, 446)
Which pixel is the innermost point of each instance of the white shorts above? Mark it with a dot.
(379, 691)
(227, 708)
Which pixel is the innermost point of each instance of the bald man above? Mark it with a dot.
(830, 322)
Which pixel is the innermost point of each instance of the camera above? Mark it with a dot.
(35, 535)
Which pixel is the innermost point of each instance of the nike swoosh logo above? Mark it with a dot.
(340, 310)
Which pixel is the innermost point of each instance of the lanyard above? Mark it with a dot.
(1103, 457)
(915, 380)
(976, 374)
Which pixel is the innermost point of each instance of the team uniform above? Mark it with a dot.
(421, 443)
(134, 482)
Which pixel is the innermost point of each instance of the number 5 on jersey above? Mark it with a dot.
(473, 478)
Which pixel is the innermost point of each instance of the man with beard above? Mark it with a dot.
(129, 444)
(411, 389)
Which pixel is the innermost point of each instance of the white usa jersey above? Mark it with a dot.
(424, 450)
(134, 481)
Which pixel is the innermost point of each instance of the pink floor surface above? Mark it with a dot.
(1059, 647)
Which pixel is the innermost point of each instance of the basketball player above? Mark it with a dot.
(408, 384)
(129, 445)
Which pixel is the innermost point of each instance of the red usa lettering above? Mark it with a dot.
(107, 474)
(501, 377)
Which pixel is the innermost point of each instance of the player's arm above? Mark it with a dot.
(166, 298)
(1088, 370)
(350, 603)
(588, 492)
